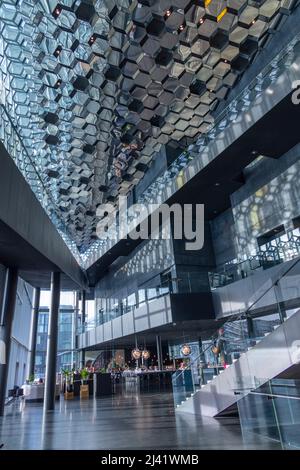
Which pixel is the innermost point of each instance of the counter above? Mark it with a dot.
(35, 392)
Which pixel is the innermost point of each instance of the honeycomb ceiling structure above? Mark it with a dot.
(95, 88)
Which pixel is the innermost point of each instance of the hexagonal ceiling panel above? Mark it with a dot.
(95, 87)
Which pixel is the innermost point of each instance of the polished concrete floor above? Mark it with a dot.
(124, 421)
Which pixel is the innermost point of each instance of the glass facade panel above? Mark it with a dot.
(66, 354)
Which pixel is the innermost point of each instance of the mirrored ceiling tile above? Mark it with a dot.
(7, 11)
(83, 32)
(66, 57)
(10, 32)
(66, 19)
(65, 38)
(50, 63)
(47, 26)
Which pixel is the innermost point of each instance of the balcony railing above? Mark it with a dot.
(283, 248)
(187, 284)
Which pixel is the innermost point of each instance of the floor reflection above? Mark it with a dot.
(127, 420)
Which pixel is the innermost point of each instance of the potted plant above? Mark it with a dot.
(84, 376)
(84, 388)
(68, 393)
(30, 380)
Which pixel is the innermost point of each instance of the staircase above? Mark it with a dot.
(274, 354)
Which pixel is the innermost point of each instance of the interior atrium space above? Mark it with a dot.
(149, 228)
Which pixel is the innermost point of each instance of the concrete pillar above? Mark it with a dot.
(83, 320)
(83, 307)
(34, 326)
(50, 383)
(159, 352)
(6, 322)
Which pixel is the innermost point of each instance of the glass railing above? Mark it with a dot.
(272, 412)
(187, 284)
(273, 304)
(178, 173)
(279, 250)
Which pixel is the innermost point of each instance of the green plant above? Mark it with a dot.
(30, 379)
(66, 373)
(84, 373)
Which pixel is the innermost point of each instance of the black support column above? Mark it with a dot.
(34, 325)
(6, 321)
(159, 352)
(83, 319)
(50, 384)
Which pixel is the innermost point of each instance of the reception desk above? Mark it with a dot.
(34, 393)
(102, 385)
(149, 380)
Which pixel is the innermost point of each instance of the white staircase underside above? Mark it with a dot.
(270, 357)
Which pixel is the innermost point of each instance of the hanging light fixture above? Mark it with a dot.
(136, 353)
(186, 349)
(145, 354)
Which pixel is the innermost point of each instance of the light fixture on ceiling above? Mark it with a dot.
(92, 40)
(57, 51)
(57, 11)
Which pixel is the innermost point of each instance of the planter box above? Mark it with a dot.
(68, 395)
(84, 391)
